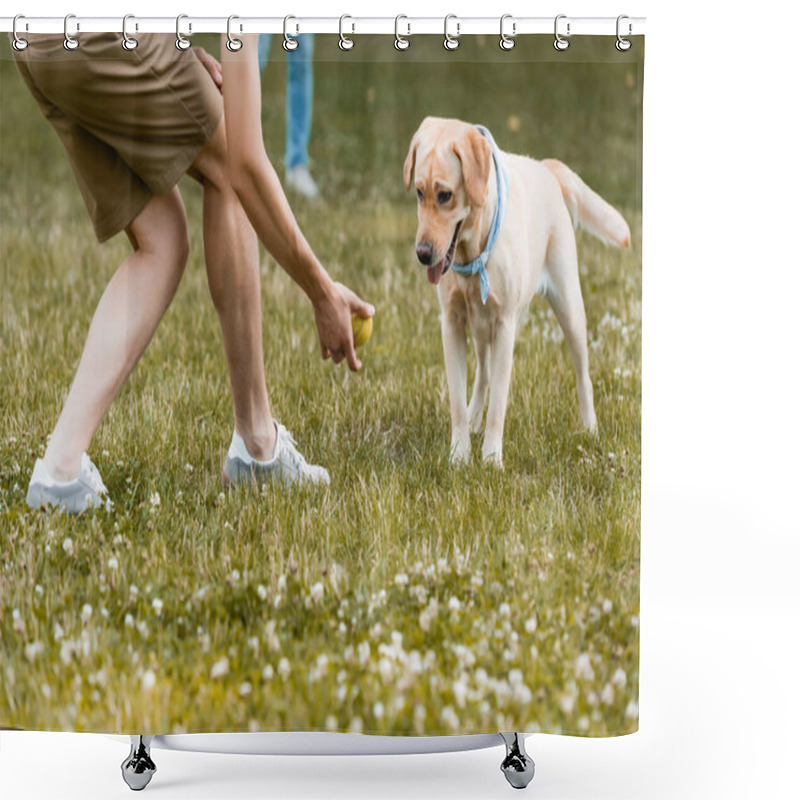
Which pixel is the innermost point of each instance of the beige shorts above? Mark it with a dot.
(132, 122)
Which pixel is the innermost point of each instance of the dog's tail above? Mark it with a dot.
(587, 209)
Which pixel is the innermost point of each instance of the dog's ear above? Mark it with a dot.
(411, 160)
(475, 155)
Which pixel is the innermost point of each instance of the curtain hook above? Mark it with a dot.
(507, 42)
(70, 42)
(623, 44)
(290, 44)
(451, 42)
(560, 43)
(401, 42)
(128, 42)
(345, 42)
(233, 44)
(19, 44)
(181, 42)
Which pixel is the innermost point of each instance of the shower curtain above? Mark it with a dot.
(424, 590)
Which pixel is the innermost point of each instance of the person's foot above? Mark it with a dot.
(286, 465)
(299, 180)
(85, 492)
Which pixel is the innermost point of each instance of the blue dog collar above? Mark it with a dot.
(478, 266)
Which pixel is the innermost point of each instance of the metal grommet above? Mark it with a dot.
(560, 43)
(70, 42)
(345, 42)
(233, 44)
(128, 42)
(181, 42)
(451, 42)
(19, 44)
(507, 42)
(290, 44)
(623, 44)
(400, 42)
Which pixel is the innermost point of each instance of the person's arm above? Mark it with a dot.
(261, 194)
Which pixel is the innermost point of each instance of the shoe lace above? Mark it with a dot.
(94, 476)
(289, 447)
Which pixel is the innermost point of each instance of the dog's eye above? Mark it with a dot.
(444, 197)
(419, 195)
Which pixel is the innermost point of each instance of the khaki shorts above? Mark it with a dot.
(132, 122)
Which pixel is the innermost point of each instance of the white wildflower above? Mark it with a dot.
(450, 718)
(155, 500)
(33, 649)
(632, 710)
(583, 667)
(129, 620)
(261, 591)
(377, 710)
(86, 613)
(607, 606)
(157, 606)
(356, 725)
(454, 605)
(268, 673)
(148, 680)
(505, 610)
(619, 679)
(401, 579)
(245, 689)
(317, 592)
(221, 668)
(284, 668)
(68, 547)
(531, 625)
(113, 563)
(607, 695)
(460, 690)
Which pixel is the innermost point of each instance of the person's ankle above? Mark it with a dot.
(260, 444)
(62, 470)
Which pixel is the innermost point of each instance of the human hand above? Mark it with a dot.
(332, 313)
(211, 64)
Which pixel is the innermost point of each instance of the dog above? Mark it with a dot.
(494, 230)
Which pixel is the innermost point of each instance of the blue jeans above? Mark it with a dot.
(299, 95)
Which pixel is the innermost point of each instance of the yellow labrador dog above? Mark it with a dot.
(494, 230)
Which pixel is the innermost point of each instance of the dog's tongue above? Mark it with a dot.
(435, 273)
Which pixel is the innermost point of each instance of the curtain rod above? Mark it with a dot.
(405, 26)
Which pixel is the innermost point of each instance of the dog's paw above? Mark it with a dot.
(493, 458)
(460, 452)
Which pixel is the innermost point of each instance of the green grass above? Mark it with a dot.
(409, 597)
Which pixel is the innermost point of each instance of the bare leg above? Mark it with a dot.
(454, 339)
(126, 317)
(500, 377)
(231, 252)
(480, 386)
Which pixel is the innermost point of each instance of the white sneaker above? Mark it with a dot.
(85, 492)
(286, 464)
(299, 180)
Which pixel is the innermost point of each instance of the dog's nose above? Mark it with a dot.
(425, 253)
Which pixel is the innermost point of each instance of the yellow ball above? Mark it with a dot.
(362, 329)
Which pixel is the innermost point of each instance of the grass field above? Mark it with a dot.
(409, 597)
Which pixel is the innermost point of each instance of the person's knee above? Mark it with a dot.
(162, 230)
